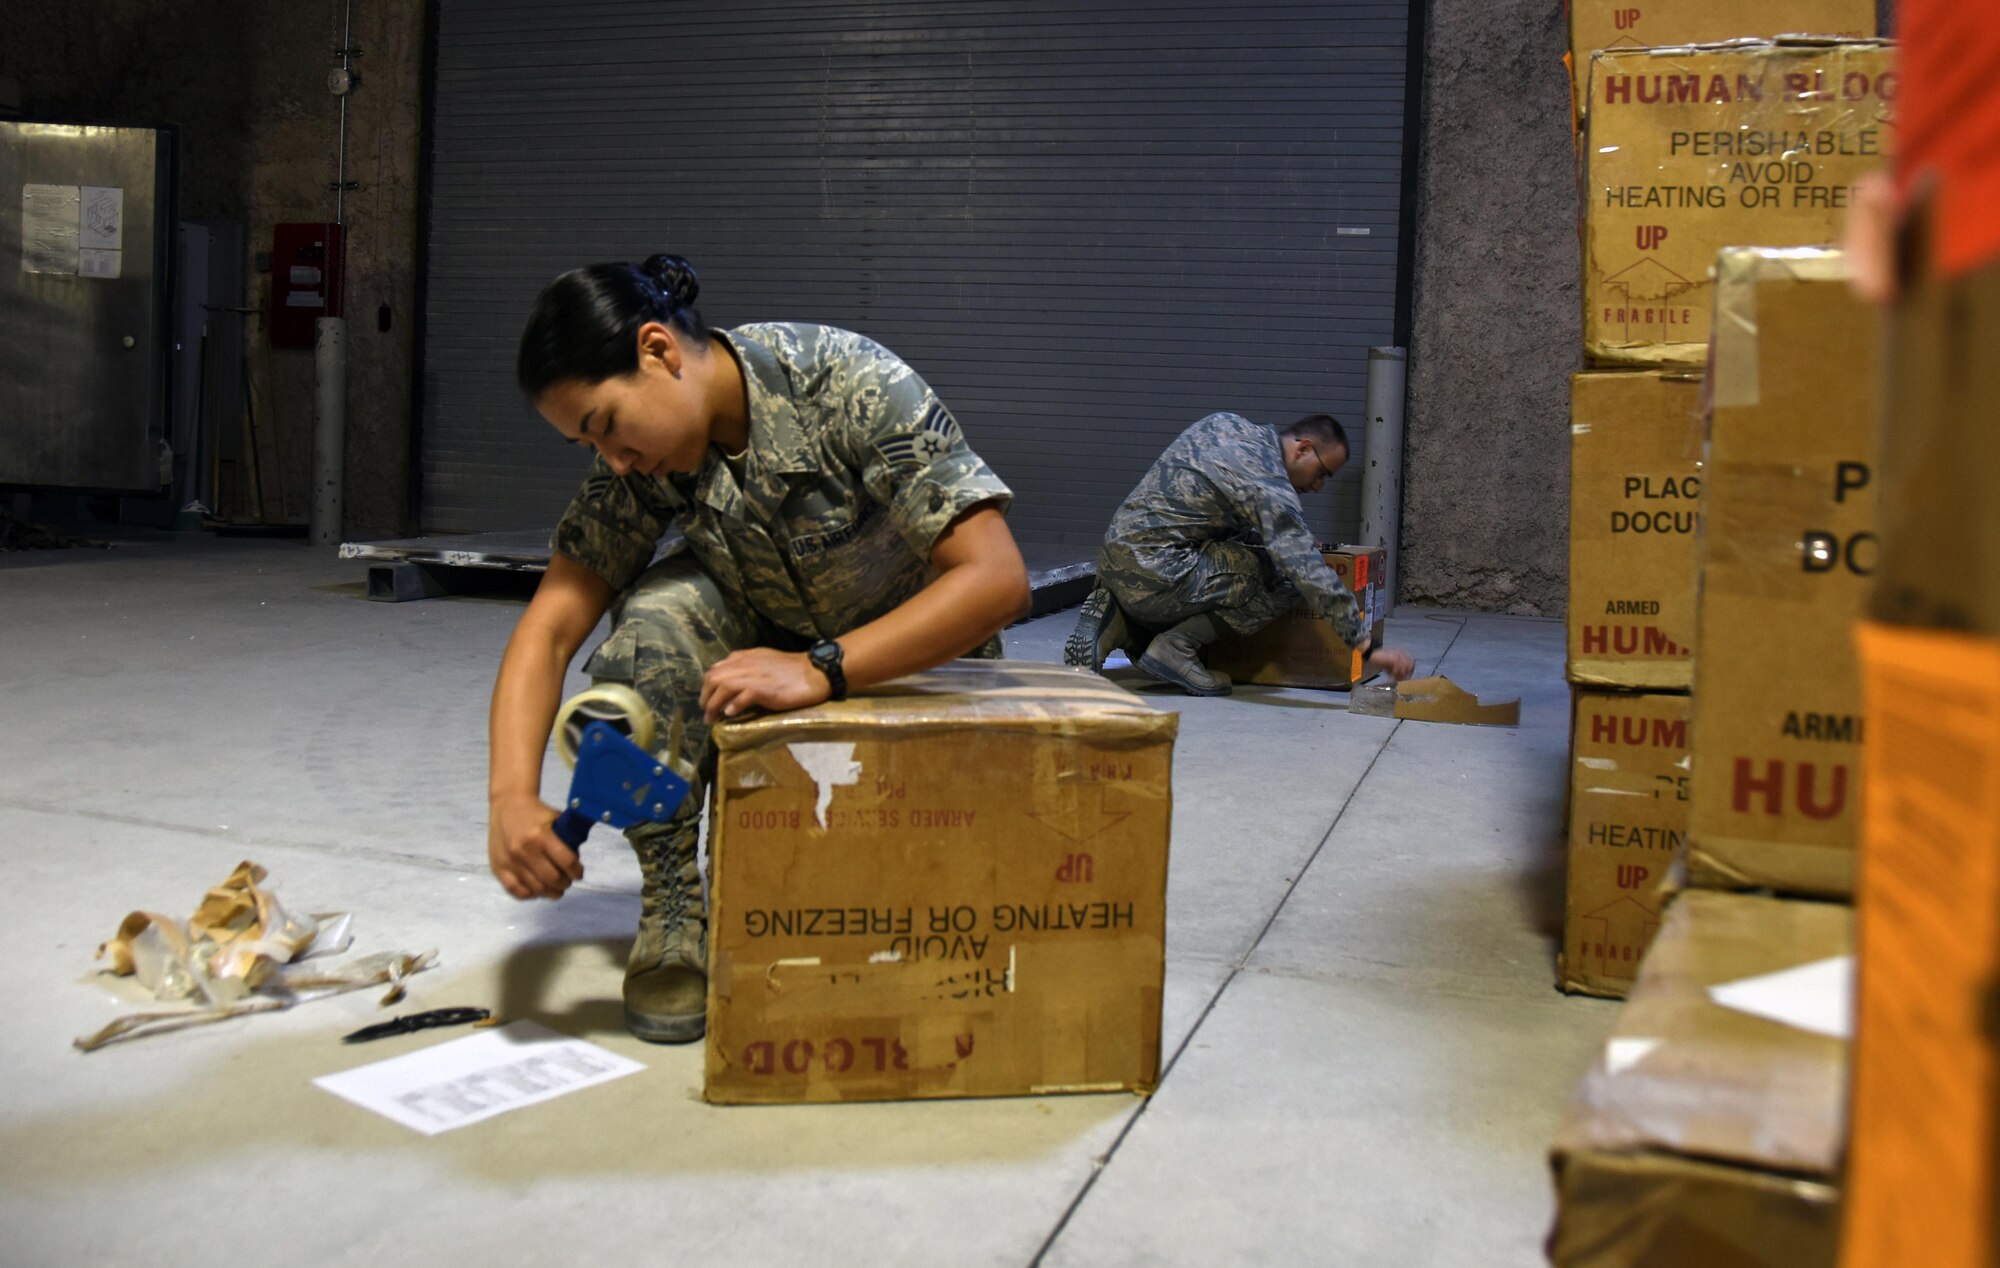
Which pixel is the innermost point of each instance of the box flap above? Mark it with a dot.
(1649, 1210)
(1682, 1074)
(1735, 350)
(1004, 694)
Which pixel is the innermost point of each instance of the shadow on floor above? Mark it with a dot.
(1542, 885)
(528, 974)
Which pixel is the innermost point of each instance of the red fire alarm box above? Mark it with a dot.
(305, 281)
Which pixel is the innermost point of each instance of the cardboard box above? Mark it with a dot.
(1787, 549)
(1924, 1164)
(1302, 651)
(1635, 499)
(951, 885)
(1940, 517)
(1691, 150)
(1628, 811)
(1626, 24)
(1705, 1135)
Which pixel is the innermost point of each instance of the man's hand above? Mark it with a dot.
(1397, 664)
(527, 857)
(1869, 238)
(762, 679)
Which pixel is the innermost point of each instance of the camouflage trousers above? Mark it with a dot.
(1234, 581)
(667, 629)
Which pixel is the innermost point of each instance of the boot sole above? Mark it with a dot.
(1080, 652)
(1157, 669)
(666, 1029)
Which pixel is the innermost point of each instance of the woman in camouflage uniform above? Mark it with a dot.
(835, 529)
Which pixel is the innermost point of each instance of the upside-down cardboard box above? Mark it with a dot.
(1694, 149)
(1788, 548)
(1628, 810)
(1627, 24)
(1635, 499)
(953, 884)
(1703, 1134)
(1300, 651)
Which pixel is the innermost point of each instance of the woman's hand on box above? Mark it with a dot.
(761, 678)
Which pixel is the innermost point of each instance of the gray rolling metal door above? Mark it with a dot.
(1086, 225)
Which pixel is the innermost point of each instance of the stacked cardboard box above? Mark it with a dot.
(1629, 24)
(1690, 149)
(1788, 548)
(1635, 490)
(950, 885)
(1627, 823)
(1704, 1134)
(1923, 1178)
(1635, 501)
(1721, 533)
(1665, 1160)
(1635, 485)
(1300, 651)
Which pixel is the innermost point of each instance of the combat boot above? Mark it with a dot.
(1101, 628)
(1175, 657)
(666, 976)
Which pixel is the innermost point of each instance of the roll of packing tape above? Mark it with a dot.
(613, 702)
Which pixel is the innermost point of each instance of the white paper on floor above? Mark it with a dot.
(466, 1080)
(1622, 1054)
(1818, 997)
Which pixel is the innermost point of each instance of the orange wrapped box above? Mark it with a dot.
(1921, 1163)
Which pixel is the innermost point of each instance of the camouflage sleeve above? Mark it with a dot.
(608, 528)
(1275, 510)
(912, 456)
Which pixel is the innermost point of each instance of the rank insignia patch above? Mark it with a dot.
(930, 440)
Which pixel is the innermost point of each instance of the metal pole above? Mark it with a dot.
(329, 428)
(340, 161)
(1382, 474)
(330, 349)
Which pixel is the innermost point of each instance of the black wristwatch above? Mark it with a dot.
(825, 657)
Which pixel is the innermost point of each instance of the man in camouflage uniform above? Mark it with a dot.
(823, 524)
(1213, 539)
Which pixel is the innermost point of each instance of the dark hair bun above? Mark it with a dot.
(675, 278)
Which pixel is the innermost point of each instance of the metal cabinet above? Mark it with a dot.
(85, 234)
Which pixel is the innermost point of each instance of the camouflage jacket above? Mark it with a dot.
(853, 471)
(1224, 479)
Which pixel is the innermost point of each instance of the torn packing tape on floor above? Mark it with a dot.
(1432, 699)
(241, 952)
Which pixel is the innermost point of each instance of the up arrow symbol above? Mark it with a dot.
(1074, 823)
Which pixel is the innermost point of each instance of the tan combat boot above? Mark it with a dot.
(1175, 657)
(666, 977)
(1101, 628)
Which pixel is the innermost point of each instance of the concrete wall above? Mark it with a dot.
(1496, 327)
(244, 82)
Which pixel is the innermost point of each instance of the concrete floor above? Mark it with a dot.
(1366, 1057)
